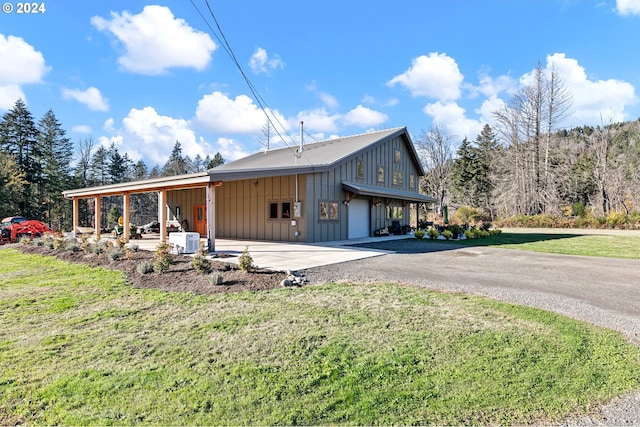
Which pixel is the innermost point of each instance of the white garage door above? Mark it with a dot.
(359, 218)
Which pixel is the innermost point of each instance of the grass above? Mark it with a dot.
(601, 245)
(78, 346)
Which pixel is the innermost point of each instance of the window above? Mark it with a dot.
(395, 212)
(286, 210)
(360, 169)
(412, 181)
(380, 175)
(279, 210)
(273, 210)
(396, 157)
(397, 178)
(328, 211)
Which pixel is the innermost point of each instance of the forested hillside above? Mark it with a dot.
(38, 161)
(527, 166)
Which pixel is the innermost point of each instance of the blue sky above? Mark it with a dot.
(145, 74)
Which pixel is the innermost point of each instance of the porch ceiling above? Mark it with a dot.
(374, 191)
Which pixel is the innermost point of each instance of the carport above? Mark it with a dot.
(159, 185)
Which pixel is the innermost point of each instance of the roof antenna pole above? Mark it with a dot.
(301, 135)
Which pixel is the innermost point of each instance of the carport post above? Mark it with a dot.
(211, 216)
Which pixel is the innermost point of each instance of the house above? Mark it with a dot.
(337, 189)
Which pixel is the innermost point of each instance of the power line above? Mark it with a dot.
(259, 100)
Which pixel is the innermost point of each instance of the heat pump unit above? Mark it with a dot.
(184, 243)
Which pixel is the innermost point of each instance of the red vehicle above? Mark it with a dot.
(16, 227)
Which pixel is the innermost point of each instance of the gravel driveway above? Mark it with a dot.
(602, 291)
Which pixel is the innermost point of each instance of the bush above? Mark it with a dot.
(419, 233)
(433, 233)
(245, 262)
(161, 265)
(113, 254)
(72, 246)
(216, 278)
(200, 262)
(447, 234)
(163, 259)
(145, 267)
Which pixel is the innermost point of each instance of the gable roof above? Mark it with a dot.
(316, 157)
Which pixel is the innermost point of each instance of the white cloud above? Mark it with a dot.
(20, 64)
(91, 97)
(230, 150)
(327, 99)
(81, 129)
(593, 100)
(364, 117)
(319, 120)
(261, 63)
(147, 134)
(490, 86)
(453, 118)
(154, 40)
(217, 112)
(628, 7)
(435, 76)
(9, 94)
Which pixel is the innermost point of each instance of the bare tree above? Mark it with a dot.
(436, 153)
(527, 124)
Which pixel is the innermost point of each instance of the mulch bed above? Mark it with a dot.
(181, 277)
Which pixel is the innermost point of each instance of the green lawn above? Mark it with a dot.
(601, 245)
(78, 346)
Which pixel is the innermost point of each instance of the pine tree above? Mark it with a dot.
(11, 183)
(19, 138)
(57, 153)
(463, 185)
(216, 161)
(484, 153)
(176, 165)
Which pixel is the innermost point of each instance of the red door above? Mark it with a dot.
(200, 219)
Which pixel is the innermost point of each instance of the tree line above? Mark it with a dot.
(527, 165)
(38, 162)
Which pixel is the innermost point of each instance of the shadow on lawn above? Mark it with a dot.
(412, 246)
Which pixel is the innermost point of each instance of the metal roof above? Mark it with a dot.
(372, 190)
(315, 157)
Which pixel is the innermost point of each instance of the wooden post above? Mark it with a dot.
(76, 216)
(98, 217)
(162, 214)
(211, 216)
(126, 205)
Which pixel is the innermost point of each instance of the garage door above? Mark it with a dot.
(359, 218)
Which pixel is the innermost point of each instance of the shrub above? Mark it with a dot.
(132, 247)
(26, 240)
(495, 232)
(419, 233)
(215, 278)
(72, 246)
(245, 262)
(200, 262)
(113, 254)
(145, 267)
(447, 234)
(120, 242)
(161, 265)
(433, 233)
(163, 258)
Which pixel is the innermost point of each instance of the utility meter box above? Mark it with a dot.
(297, 209)
(184, 243)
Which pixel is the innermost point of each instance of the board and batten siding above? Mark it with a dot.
(327, 187)
(186, 200)
(242, 209)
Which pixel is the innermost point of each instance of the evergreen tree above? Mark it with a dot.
(483, 154)
(19, 138)
(216, 161)
(116, 165)
(11, 183)
(57, 153)
(176, 165)
(463, 173)
(99, 168)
